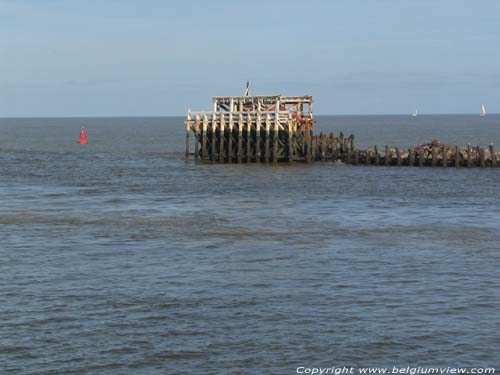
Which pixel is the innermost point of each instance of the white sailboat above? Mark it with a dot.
(414, 114)
(483, 111)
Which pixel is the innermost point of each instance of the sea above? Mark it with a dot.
(124, 257)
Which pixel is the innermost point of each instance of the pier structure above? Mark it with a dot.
(277, 128)
(253, 129)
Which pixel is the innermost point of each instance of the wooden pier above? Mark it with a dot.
(277, 129)
(253, 129)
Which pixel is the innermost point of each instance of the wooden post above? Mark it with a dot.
(323, 147)
(398, 156)
(188, 130)
(196, 136)
(230, 140)
(268, 135)
(434, 156)
(445, 156)
(377, 156)
(204, 137)
(258, 122)
(481, 152)
(469, 156)
(240, 138)
(356, 157)
(386, 161)
(310, 136)
(411, 157)
(249, 138)
(276, 131)
(290, 138)
(222, 152)
(493, 156)
(213, 150)
(457, 157)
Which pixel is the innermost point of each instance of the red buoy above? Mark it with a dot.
(83, 137)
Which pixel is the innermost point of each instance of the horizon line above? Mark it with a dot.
(184, 115)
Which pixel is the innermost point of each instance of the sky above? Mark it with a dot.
(63, 58)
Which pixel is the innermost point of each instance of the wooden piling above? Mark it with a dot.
(267, 140)
(457, 157)
(377, 156)
(421, 157)
(493, 156)
(222, 153)
(290, 138)
(188, 132)
(196, 137)
(411, 157)
(469, 156)
(398, 156)
(481, 153)
(213, 150)
(249, 138)
(258, 123)
(386, 161)
(230, 138)
(445, 156)
(204, 137)
(240, 138)
(276, 132)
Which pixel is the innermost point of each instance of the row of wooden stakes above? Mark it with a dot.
(434, 154)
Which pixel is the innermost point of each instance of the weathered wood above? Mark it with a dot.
(493, 156)
(222, 153)
(445, 156)
(377, 156)
(188, 132)
(421, 157)
(356, 157)
(434, 156)
(213, 150)
(258, 123)
(267, 140)
(411, 157)
(290, 139)
(323, 147)
(275, 141)
(309, 136)
(196, 137)
(368, 159)
(469, 156)
(249, 139)
(204, 138)
(480, 151)
(240, 138)
(398, 156)
(386, 161)
(230, 138)
(457, 157)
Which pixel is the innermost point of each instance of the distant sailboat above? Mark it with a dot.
(414, 114)
(483, 111)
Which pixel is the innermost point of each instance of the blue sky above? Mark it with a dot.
(152, 57)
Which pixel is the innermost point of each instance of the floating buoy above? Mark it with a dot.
(83, 137)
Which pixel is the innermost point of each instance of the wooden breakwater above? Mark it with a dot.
(433, 154)
(277, 129)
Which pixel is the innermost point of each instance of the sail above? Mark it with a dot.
(483, 110)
